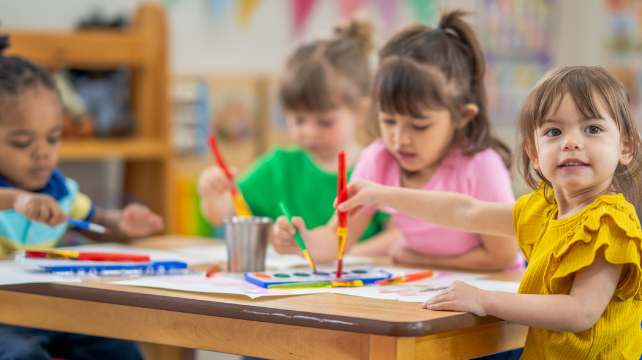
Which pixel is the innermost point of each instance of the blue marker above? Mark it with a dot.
(88, 226)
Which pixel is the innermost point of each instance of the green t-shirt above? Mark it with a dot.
(290, 175)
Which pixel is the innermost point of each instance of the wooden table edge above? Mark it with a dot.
(255, 313)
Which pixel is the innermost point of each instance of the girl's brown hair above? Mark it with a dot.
(439, 68)
(327, 74)
(589, 86)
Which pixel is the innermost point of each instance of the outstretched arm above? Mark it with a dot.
(592, 289)
(447, 209)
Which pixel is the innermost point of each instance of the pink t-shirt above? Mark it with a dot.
(482, 176)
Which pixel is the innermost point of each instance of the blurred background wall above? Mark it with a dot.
(225, 56)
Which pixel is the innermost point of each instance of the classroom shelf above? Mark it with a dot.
(84, 49)
(100, 149)
(141, 47)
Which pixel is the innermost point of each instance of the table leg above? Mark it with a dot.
(390, 347)
(166, 352)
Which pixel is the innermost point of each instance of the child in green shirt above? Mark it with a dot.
(325, 92)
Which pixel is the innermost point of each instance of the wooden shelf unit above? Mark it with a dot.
(149, 170)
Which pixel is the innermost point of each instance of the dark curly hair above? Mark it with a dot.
(18, 74)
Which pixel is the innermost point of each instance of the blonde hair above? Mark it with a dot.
(587, 85)
(327, 74)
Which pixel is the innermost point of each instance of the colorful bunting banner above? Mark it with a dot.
(301, 10)
(388, 10)
(347, 8)
(246, 10)
(218, 8)
(425, 11)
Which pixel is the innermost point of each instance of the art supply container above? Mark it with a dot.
(246, 239)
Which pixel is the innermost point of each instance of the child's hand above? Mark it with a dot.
(459, 297)
(361, 193)
(213, 183)
(40, 208)
(283, 240)
(401, 254)
(137, 220)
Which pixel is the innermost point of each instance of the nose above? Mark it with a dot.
(40, 152)
(402, 136)
(572, 142)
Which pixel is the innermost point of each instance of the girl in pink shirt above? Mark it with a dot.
(434, 135)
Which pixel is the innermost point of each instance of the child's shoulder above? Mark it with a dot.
(612, 211)
(285, 153)
(376, 155)
(609, 224)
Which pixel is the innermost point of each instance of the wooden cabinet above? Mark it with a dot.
(143, 48)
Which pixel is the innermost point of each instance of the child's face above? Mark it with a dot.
(323, 134)
(576, 153)
(30, 132)
(417, 143)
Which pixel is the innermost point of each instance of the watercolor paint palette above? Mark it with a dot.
(265, 279)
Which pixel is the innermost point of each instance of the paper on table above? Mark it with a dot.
(494, 285)
(277, 261)
(415, 291)
(221, 284)
(216, 252)
(488, 285)
(273, 261)
(12, 273)
(156, 255)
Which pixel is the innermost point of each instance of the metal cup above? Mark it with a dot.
(246, 239)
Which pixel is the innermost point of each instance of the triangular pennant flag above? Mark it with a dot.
(247, 9)
(301, 10)
(347, 8)
(425, 11)
(218, 8)
(388, 10)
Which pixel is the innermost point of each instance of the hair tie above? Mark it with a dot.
(438, 28)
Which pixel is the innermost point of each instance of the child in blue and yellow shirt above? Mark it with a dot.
(36, 199)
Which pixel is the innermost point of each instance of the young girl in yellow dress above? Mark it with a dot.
(580, 294)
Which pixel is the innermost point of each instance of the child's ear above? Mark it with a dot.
(532, 153)
(626, 149)
(467, 113)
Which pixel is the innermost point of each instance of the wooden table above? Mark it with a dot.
(319, 326)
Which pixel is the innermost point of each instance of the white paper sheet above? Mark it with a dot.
(416, 291)
(12, 273)
(220, 284)
(273, 261)
(156, 255)
(488, 285)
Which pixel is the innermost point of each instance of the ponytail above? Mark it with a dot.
(447, 62)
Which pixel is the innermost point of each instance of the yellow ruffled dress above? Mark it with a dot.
(556, 249)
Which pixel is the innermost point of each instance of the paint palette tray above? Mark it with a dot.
(265, 279)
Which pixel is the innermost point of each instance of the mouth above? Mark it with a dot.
(406, 156)
(573, 164)
(40, 173)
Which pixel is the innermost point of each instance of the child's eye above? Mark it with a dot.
(299, 120)
(20, 144)
(553, 132)
(420, 128)
(593, 129)
(53, 140)
(388, 121)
